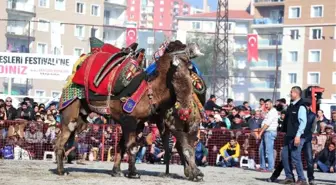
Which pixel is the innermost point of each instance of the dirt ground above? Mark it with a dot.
(43, 173)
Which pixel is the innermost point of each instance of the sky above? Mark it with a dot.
(199, 4)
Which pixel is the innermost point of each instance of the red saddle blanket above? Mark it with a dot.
(118, 78)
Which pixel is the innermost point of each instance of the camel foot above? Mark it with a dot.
(193, 174)
(116, 172)
(132, 175)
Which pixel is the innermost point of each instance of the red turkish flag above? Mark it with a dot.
(252, 47)
(131, 36)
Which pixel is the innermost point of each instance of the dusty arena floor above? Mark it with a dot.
(42, 173)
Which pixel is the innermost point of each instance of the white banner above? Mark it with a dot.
(36, 66)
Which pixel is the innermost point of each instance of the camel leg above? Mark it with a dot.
(121, 148)
(165, 140)
(132, 150)
(188, 154)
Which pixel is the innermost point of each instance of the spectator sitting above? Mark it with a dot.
(229, 105)
(246, 106)
(329, 130)
(52, 106)
(33, 135)
(201, 153)
(24, 112)
(234, 113)
(94, 140)
(326, 159)
(51, 131)
(2, 102)
(315, 146)
(262, 105)
(226, 120)
(157, 152)
(92, 117)
(38, 117)
(255, 123)
(229, 154)
(143, 144)
(333, 120)
(322, 121)
(41, 107)
(3, 118)
(211, 105)
(50, 120)
(11, 111)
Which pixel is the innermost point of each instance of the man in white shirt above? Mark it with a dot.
(267, 135)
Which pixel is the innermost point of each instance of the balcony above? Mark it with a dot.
(20, 32)
(122, 3)
(270, 43)
(267, 22)
(114, 21)
(263, 65)
(266, 86)
(21, 8)
(268, 3)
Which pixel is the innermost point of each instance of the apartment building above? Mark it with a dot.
(268, 24)
(160, 14)
(202, 28)
(31, 27)
(310, 55)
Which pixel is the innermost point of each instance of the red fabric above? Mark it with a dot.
(131, 36)
(184, 114)
(252, 47)
(110, 48)
(100, 59)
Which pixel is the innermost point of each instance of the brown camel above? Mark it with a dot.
(172, 83)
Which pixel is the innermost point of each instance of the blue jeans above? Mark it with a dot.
(230, 163)
(308, 154)
(295, 153)
(141, 153)
(323, 167)
(266, 147)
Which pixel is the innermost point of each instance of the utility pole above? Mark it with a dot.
(277, 67)
(28, 52)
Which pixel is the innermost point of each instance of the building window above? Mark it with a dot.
(160, 24)
(316, 11)
(334, 78)
(55, 94)
(79, 31)
(80, 8)
(95, 10)
(43, 25)
(40, 93)
(42, 48)
(294, 12)
(78, 52)
(60, 5)
(58, 50)
(315, 33)
(132, 8)
(292, 77)
(161, 2)
(293, 56)
(161, 9)
(196, 25)
(313, 78)
(294, 34)
(44, 3)
(314, 55)
(133, 1)
(94, 32)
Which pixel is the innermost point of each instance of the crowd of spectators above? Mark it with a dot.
(229, 118)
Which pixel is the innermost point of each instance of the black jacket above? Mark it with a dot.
(11, 113)
(327, 157)
(211, 105)
(28, 114)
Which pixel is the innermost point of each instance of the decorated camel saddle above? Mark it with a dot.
(110, 73)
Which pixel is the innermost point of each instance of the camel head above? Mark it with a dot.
(177, 62)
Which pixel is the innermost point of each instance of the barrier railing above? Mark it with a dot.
(35, 141)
